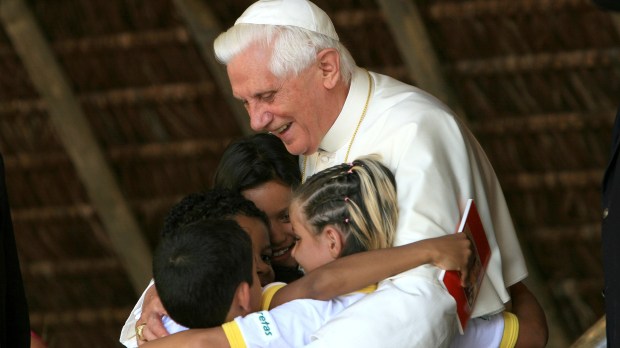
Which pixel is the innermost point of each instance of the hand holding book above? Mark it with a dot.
(452, 252)
(464, 287)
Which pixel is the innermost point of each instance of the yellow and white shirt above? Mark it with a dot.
(496, 331)
(288, 325)
(500, 330)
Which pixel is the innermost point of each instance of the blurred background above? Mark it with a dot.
(112, 110)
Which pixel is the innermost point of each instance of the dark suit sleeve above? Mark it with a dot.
(611, 239)
(14, 319)
(613, 5)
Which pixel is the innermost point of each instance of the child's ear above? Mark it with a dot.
(334, 240)
(241, 304)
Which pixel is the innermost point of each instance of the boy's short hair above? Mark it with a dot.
(198, 268)
(211, 204)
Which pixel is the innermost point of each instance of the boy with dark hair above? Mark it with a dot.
(221, 204)
(230, 205)
(212, 204)
(188, 262)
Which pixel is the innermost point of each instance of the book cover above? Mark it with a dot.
(466, 296)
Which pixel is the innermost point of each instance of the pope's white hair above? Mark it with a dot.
(293, 49)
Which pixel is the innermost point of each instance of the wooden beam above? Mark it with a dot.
(186, 148)
(30, 161)
(73, 267)
(615, 19)
(560, 122)
(152, 94)
(119, 41)
(79, 317)
(79, 210)
(595, 336)
(22, 106)
(500, 8)
(568, 60)
(573, 233)
(356, 17)
(160, 94)
(552, 180)
(158, 151)
(204, 28)
(414, 44)
(86, 211)
(78, 138)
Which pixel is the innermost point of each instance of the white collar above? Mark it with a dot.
(344, 126)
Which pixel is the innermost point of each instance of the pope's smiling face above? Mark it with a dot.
(288, 107)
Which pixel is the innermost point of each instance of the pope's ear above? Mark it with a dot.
(329, 64)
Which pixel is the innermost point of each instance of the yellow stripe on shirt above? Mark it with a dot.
(268, 293)
(233, 335)
(271, 289)
(369, 289)
(511, 331)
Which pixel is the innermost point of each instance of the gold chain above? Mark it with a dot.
(359, 123)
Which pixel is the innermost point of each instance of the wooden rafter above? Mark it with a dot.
(595, 336)
(87, 211)
(544, 123)
(568, 60)
(77, 136)
(159, 151)
(461, 9)
(204, 29)
(587, 231)
(553, 180)
(80, 317)
(154, 38)
(408, 29)
(162, 93)
(86, 267)
(615, 18)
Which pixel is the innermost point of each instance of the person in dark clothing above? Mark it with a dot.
(611, 239)
(14, 319)
(611, 222)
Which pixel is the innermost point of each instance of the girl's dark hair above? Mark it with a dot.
(255, 160)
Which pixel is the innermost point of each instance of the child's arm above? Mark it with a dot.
(533, 330)
(356, 271)
(212, 338)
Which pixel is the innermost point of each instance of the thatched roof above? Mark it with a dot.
(111, 110)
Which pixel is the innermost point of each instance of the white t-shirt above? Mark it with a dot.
(438, 166)
(293, 324)
(288, 325)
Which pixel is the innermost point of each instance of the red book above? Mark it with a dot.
(466, 296)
